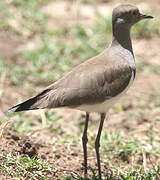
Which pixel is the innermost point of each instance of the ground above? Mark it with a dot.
(40, 42)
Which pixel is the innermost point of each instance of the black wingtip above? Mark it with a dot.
(25, 106)
(28, 104)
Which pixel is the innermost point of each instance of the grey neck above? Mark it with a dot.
(121, 37)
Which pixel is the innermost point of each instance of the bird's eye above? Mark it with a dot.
(134, 13)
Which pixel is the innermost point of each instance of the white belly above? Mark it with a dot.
(103, 107)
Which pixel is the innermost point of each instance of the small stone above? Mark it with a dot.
(74, 154)
(57, 156)
(28, 145)
(15, 137)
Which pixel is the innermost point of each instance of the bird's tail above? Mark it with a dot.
(30, 104)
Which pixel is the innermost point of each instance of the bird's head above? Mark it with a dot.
(127, 15)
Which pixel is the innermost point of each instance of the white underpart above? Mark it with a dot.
(104, 107)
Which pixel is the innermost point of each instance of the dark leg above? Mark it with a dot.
(97, 144)
(84, 142)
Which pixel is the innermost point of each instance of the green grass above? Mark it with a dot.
(17, 166)
(115, 145)
(155, 99)
(121, 150)
(23, 123)
(147, 67)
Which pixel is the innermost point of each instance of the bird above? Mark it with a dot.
(96, 84)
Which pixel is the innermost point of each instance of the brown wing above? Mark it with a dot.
(89, 84)
(98, 87)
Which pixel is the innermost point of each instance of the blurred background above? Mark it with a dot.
(40, 41)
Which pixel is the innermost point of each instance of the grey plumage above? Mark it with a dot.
(95, 85)
(98, 79)
(92, 82)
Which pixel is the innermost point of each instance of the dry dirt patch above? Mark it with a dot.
(9, 45)
(61, 159)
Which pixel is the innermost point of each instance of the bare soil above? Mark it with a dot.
(62, 159)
